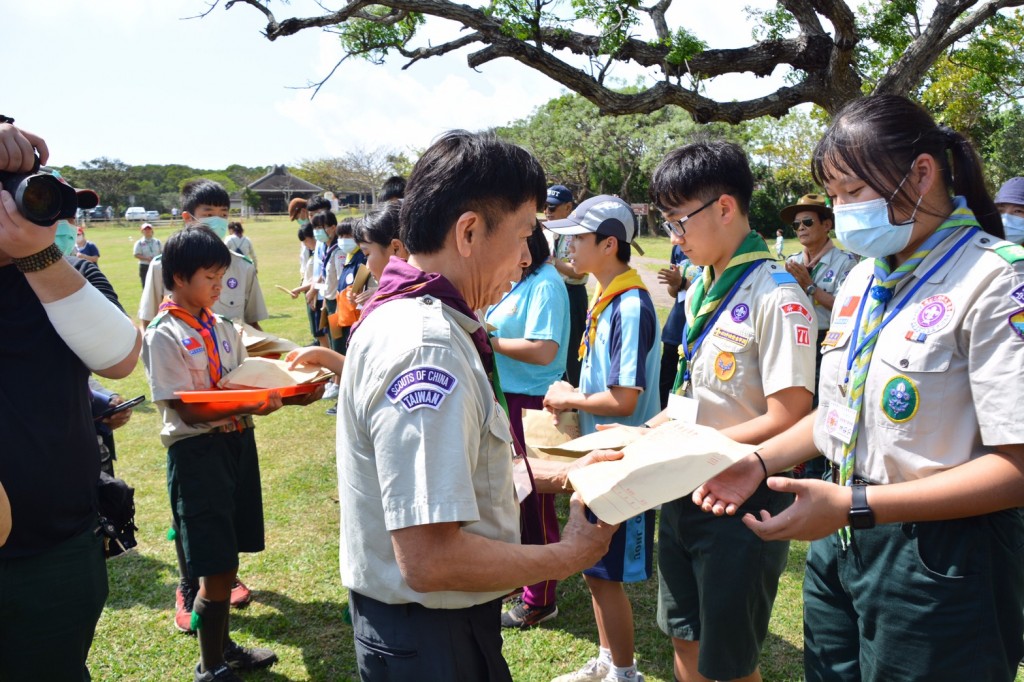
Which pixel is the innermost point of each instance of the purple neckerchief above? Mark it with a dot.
(401, 280)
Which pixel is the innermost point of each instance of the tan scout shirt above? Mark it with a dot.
(240, 296)
(761, 344)
(175, 360)
(421, 440)
(828, 275)
(944, 385)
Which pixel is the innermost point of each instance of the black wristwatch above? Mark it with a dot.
(811, 288)
(861, 517)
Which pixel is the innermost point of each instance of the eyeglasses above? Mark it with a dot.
(806, 222)
(677, 228)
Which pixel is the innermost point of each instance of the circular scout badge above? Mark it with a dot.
(226, 346)
(934, 313)
(900, 399)
(725, 365)
(740, 312)
(232, 283)
(829, 275)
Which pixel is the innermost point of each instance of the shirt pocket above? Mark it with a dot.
(731, 359)
(910, 378)
(497, 449)
(199, 368)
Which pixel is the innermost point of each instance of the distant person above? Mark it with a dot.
(676, 278)
(237, 242)
(392, 189)
(146, 249)
(780, 242)
(1010, 202)
(305, 234)
(557, 206)
(85, 249)
(298, 213)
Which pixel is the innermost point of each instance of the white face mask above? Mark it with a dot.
(864, 228)
(347, 244)
(1013, 225)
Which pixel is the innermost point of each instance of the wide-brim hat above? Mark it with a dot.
(808, 202)
(605, 215)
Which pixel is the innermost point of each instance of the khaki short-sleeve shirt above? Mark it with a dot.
(761, 344)
(944, 382)
(175, 359)
(828, 275)
(421, 440)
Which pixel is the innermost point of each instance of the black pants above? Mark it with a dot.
(398, 642)
(577, 320)
(143, 269)
(669, 367)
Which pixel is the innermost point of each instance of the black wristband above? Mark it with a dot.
(39, 261)
(763, 467)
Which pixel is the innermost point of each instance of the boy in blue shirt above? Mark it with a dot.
(212, 468)
(618, 384)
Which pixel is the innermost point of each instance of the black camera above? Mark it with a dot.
(44, 197)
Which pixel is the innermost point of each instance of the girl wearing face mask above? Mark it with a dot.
(341, 275)
(1010, 202)
(917, 566)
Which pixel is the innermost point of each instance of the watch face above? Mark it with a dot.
(861, 519)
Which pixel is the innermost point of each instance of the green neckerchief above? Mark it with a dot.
(707, 292)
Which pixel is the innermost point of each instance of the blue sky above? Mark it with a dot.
(136, 80)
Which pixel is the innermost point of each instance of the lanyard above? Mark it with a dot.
(687, 353)
(899, 307)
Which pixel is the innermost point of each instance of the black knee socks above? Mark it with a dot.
(212, 632)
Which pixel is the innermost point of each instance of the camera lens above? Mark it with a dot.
(41, 199)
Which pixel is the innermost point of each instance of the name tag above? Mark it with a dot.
(840, 421)
(682, 408)
(521, 479)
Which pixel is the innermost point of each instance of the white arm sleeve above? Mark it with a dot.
(92, 327)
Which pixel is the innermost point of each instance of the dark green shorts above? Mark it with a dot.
(717, 582)
(49, 606)
(917, 601)
(214, 485)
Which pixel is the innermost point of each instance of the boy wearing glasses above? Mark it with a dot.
(747, 369)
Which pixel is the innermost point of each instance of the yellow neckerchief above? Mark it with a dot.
(630, 279)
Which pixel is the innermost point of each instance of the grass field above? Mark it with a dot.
(298, 597)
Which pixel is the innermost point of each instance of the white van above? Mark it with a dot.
(135, 213)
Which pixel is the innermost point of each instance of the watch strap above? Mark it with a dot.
(40, 260)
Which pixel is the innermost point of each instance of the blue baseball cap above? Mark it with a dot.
(559, 194)
(1012, 192)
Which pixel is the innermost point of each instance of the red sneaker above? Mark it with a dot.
(240, 594)
(184, 599)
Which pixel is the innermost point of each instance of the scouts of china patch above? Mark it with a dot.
(725, 365)
(1017, 322)
(422, 386)
(900, 399)
(795, 309)
(731, 337)
(933, 315)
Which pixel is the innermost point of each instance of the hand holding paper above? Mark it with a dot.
(667, 464)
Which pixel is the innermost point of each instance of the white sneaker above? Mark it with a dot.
(330, 391)
(612, 677)
(594, 671)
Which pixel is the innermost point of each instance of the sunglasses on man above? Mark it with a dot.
(806, 222)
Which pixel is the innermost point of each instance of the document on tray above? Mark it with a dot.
(667, 463)
(267, 373)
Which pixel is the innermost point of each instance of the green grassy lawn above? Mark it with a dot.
(298, 596)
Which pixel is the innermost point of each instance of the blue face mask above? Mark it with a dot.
(864, 228)
(65, 237)
(1014, 227)
(217, 224)
(320, 236)
(347, 244)
(303, 222)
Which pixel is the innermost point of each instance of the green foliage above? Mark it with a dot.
(775, 23)
(684, 45)
(614, 20)
(887, 28)
(373, 41)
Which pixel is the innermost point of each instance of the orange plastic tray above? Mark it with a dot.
(243, 394)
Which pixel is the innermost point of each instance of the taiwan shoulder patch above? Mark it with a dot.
(422, 386)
